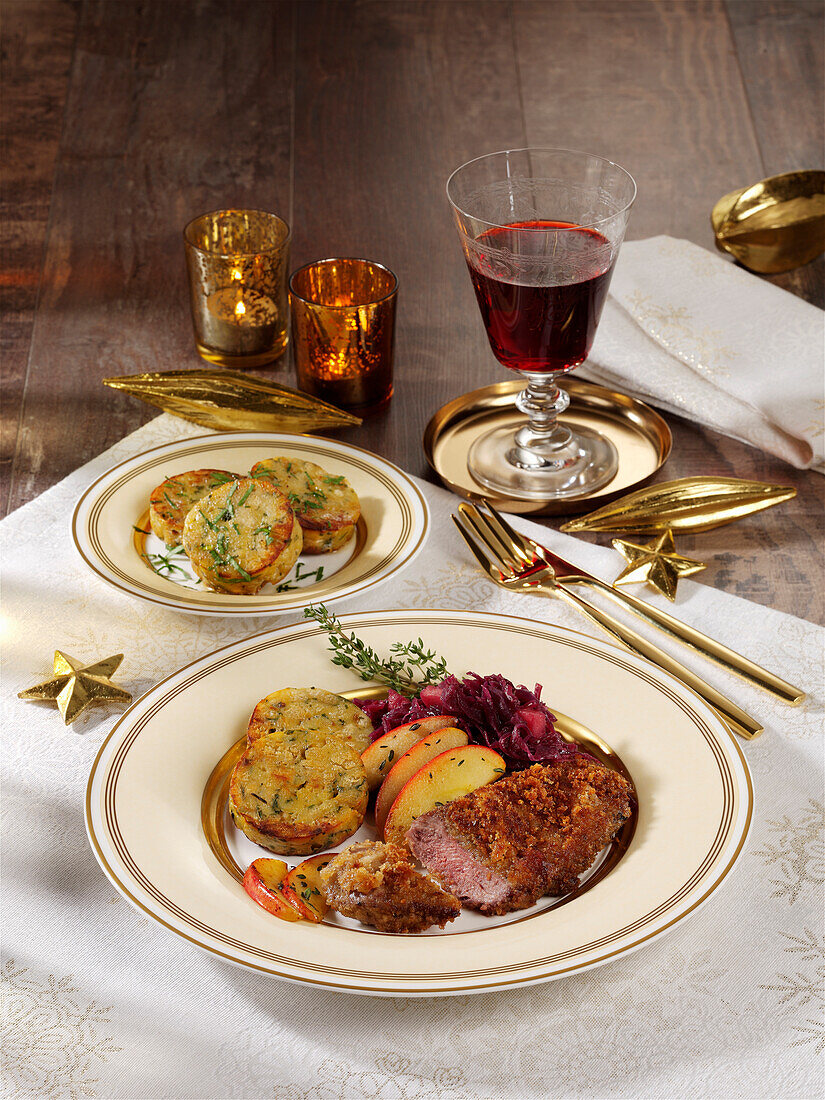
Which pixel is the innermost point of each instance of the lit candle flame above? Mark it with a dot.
(240, 309)
(236, 275)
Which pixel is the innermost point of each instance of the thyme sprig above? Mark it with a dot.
(410, 667)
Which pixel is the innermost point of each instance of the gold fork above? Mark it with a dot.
(510, 565)
(528, 552)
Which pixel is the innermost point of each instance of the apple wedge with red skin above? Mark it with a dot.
(263, 882)
(302, 888)
(379, 756)
(448, 776)
(413, 760)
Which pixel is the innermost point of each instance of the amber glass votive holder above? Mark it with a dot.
(343, 329)
(238, 262)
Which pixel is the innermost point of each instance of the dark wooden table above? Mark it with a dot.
(122, 119)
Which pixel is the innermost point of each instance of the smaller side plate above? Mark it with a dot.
(110, 528)
(640, 435)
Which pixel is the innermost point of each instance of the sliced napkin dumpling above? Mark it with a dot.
(172, 500)
(326, 505)
(377, 884)
(297, 791)
(311, 709)
(241, 536)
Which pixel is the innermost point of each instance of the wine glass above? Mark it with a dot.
(541, 230)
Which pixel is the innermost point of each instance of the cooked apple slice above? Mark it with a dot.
(302, 888)
(448, 776)
(413, 760)
(263, 881)
(379, 756)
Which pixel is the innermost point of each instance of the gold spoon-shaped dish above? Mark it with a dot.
(774, 225)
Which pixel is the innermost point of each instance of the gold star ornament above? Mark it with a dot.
(655, 562)
(76, 686)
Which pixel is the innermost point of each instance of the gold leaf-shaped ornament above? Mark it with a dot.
(232, 401)
(774, 225)
(687, 504)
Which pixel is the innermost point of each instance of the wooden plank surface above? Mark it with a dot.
(780, 47)
(172, 109)
(347, 117)
(37, 49)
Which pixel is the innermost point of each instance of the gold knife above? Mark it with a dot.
(567, 573)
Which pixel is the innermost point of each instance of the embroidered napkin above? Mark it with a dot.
(101, 1001)
(693, 334)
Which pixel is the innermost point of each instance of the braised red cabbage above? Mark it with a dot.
(490, 709)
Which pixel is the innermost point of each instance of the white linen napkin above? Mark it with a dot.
(102, 1001)
(697, 336)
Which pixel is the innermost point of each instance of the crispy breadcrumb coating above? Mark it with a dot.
(377, 884)
(537, 830)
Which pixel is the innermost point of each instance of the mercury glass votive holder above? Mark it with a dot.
(238, 262)
(343, 330)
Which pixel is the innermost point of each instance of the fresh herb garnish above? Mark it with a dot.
(166, 565)
(236, 565)
(301, 505)
(334, 480)
(410, 667)
(210, 523)
(288, 586)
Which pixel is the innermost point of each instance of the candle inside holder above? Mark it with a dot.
(241, 318)
(343, 328)
(237, 262)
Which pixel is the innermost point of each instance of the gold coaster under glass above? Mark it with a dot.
(641, 438)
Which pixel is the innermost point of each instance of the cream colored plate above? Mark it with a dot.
(143, 808)
(110, 520)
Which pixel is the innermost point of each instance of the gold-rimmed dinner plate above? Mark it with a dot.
(146, 794)
(111, 531)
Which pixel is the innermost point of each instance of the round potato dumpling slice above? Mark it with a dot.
(314, 710)
(241, 536)
(326, 505)
(171, 502)
(298, 792)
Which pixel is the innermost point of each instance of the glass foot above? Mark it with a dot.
(587, 462)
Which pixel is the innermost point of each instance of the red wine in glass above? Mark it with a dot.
(541, 287)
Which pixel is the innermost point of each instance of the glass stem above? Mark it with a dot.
(542, 443)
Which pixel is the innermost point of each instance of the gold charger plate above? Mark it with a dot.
(146, 793)
(110, 527)
(641, 437)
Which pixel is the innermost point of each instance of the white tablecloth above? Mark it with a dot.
(101, 1001)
